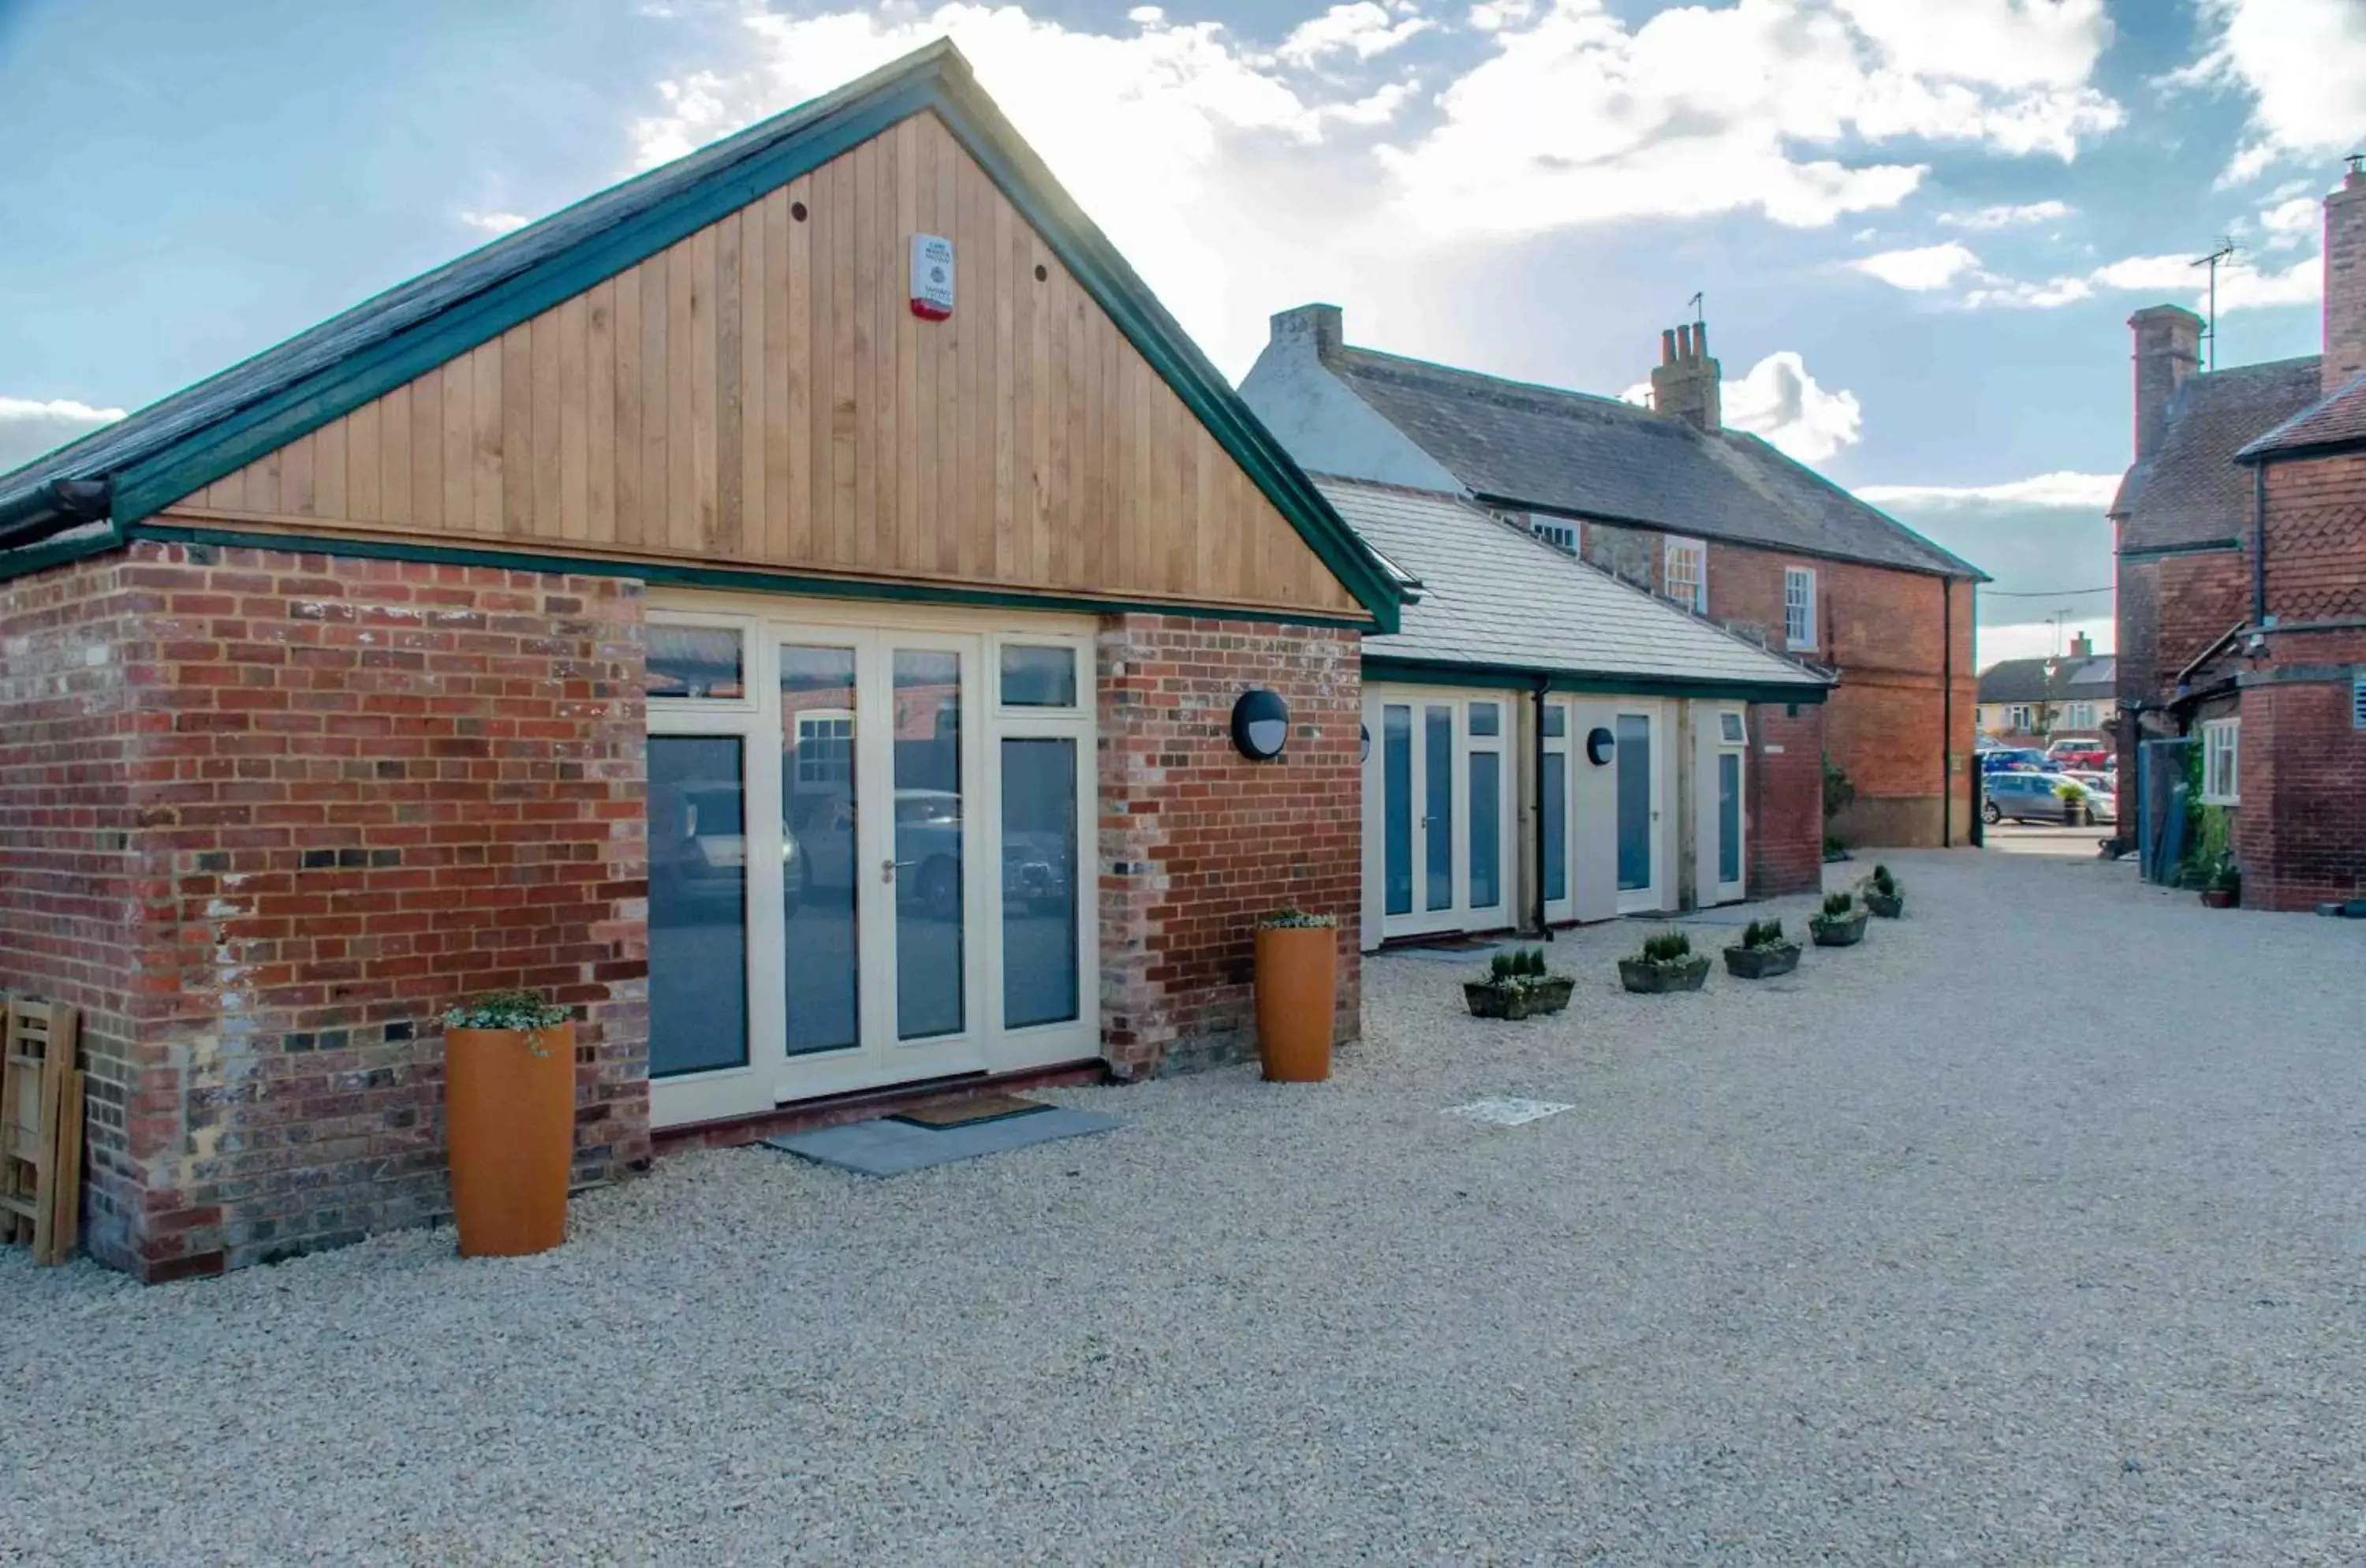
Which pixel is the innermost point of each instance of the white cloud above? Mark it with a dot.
(494, 223)
(2008, 217)
(2292, 222)
(1780, 402)
(2242, 285)
(31, 426)
(1920, 270)
(2303, 64)
(2066, 487)
(1362, 29)
(2045, 540)
(2045, 639)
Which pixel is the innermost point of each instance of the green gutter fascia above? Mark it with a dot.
(144, 488)
(2198, 548)
(686, 575)
(1385, 670)
(58, 552)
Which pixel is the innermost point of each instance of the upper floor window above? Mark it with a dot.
(1799, 607)
(2080, 716)
(1553, 531)
(1684, 577)
(2221, 761)
(2020, 718)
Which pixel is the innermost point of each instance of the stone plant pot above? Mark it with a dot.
(1498, 1001)
(508, 1121)
(1550, 995)
(1889, 906)
(1838, 931)
(1297, 998)
(1653, 979)
(1762, 962)
(2218, 897)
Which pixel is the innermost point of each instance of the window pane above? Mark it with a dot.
(1486, 852)
(1729, 725)
(694, 661)
(1037, 677)
(1556, 809)
(1396, 806)
(1728, 816)
(1437, 808)
(929, 932)
(698, 905)
(1556, 721)
(820, 950)
(1634, 747)
(1038, 882)
(1486, 718)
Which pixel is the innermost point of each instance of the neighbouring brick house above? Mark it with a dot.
(2029, 702)
(2242, 581)
(1714, 519)
(655, 607)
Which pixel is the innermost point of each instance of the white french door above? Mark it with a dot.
(1440, 844)
(871, 856)
(1638, 761)
(1720, 760)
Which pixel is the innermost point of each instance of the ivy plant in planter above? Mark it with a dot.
(508, 1119)
(1841, 925)
(1517, 985)
(2224, 889)
(2073, 796)
(1763, 952)
(1666, 964)
(1883, 893)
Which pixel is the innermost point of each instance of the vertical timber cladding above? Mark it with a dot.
(761, 394)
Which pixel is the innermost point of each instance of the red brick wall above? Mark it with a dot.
(2316, 537)
(2201, 598)
(70, 897)
(362, 790)
(2299, 833)
(1786, 800)
(1197, 842)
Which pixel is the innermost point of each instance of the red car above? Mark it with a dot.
(2084, 754)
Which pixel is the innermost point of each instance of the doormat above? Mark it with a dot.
(1507, 1112)
(885, 1145)
(968, 1112)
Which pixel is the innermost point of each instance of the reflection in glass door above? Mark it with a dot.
(698, 904)
(1638, 812)
(928, 868)
(821, 947)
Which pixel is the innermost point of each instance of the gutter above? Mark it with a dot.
(1544, 685)
(53, 508)
(2259, 543)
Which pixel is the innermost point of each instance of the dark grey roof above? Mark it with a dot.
(2336, 420)
(2047, 679)
(1544, 448)
(2189, 490)
(1494, 596)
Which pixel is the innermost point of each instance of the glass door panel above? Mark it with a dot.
(698, 904)
(1729, 818)
(1437, 805)
(1486, 829)
(821, 945)
(1396, 807)
(927, 871)
(1634, 803)
(1553, 797)
(1041, 961)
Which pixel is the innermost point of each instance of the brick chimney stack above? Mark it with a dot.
(2169, 349)
(2081, 646)
(2345, 278)
(1685, 383)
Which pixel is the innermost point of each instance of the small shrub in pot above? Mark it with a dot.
(1763, 952)
(1841, 925)
(1517, 985)
(1885, 895)
(1666, 964)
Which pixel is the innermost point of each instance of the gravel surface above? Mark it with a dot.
(2027, 1232)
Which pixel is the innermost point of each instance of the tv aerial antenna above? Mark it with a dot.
(2213, 261)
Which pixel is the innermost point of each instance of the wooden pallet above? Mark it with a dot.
(42, 1096)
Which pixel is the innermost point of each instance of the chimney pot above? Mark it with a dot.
(1700, 339)
(1684, 344)
(1668, 346)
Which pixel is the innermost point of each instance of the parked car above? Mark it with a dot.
(2071, 754)
(2102, 792)
(2033, 797)
(2010, 758)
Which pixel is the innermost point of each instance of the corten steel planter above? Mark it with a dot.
(1656, 979)
(1497, 1001)
(509, 1120)
(1889, 906)
(1837, 931)
(1297, 996)
(1762, 962)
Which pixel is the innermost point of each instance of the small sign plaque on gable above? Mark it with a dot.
(932, 277)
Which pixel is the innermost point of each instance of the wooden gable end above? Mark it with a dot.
(760, 396)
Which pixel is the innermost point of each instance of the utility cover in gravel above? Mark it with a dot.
(887, 1146)
(1507, 1112)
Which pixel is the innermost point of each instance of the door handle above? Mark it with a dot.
(888, 868)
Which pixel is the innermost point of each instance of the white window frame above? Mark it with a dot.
(1561, 533)
(1799, 608)
(1696, 553)
(2020, 718)
(2080, 716)
(2222, 743)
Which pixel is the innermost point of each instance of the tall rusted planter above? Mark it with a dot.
(508, 1119)
(1297, 1001)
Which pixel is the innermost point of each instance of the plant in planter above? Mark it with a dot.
(1883, 893)
(1763, 952)
(1841, 925)
(1666, 964)
(1297, 994)
(2073, 796)
(1517, 985)
(509, 1120)
(2224, 889)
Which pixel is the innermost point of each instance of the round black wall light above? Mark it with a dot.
(1260, 725)
(1599, 745)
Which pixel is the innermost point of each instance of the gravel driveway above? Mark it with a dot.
(2028, 1232)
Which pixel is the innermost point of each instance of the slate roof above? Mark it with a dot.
(2190, 491)
(2027, 681)
(1493, 597)
(2337, 419)
(1542, 447)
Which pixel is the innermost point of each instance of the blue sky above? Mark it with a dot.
(1919, 227)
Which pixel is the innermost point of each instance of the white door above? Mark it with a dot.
(1439, 771)
(1721, 828)
(919, 903)
(1638, 744)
